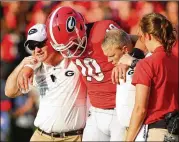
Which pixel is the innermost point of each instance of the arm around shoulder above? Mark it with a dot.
(11, 88)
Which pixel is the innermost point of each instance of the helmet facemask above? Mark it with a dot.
(75, 48)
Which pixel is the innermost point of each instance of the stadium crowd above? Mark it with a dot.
(17, 114)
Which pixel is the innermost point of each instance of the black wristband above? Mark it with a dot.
(137, 53)
(134, 62)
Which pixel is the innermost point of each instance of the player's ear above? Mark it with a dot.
(125, 49)
(148, 36)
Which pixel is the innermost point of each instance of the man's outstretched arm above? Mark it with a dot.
(11, 88)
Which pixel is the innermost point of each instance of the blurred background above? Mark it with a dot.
(17, 115)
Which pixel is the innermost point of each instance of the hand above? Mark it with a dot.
(29, 60)
(119, 72)
(126, 59)
(25, 78)
(18, 112)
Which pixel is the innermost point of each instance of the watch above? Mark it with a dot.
(133, 64)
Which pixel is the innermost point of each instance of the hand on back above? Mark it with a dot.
(119, 73)
(25, 76)
(29, 60)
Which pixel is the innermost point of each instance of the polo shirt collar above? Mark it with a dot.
(62, 65)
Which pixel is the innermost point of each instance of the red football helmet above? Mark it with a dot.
(66, 32)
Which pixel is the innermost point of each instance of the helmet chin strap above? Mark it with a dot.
(77, 32)
(69, 55)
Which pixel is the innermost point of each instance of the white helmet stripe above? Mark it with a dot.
(50, 26)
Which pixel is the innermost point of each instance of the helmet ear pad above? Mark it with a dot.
(65, 29)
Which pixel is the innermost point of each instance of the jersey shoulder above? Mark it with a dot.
(97, 30)
(102, 25)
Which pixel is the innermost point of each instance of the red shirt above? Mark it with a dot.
(95, 67)
(175, 49)
(5, 105)
(160, 72)
(8, 48)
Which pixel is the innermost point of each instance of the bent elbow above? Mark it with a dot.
(141, 110)
(10, 93)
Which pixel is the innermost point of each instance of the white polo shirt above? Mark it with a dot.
(62, 106)
(125, 99)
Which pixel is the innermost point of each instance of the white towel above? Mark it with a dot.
(142, 135)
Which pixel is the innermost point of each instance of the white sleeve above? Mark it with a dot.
(35, 66)
(125, 99)
(148, 54)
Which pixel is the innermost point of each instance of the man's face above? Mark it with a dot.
(41, 54)
(113, 54)
(41, 50)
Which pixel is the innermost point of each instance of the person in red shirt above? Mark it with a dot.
(156, 81)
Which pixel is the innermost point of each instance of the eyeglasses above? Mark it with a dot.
(33, 44)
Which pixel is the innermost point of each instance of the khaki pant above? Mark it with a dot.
(157, 134)
(38, 136)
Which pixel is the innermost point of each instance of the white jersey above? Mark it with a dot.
(62, 106)
(148, 54)
(125, 99)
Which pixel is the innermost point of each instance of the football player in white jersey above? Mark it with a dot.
(62, 106)
(115, 44)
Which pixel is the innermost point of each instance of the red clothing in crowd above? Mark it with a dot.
(5, 105)
(159, 72)
(8, 49)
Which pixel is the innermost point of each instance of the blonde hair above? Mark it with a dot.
(116, 38)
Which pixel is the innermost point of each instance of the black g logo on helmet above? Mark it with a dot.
(71, 23)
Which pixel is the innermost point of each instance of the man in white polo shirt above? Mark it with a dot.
(116, 44)
(62, 107)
